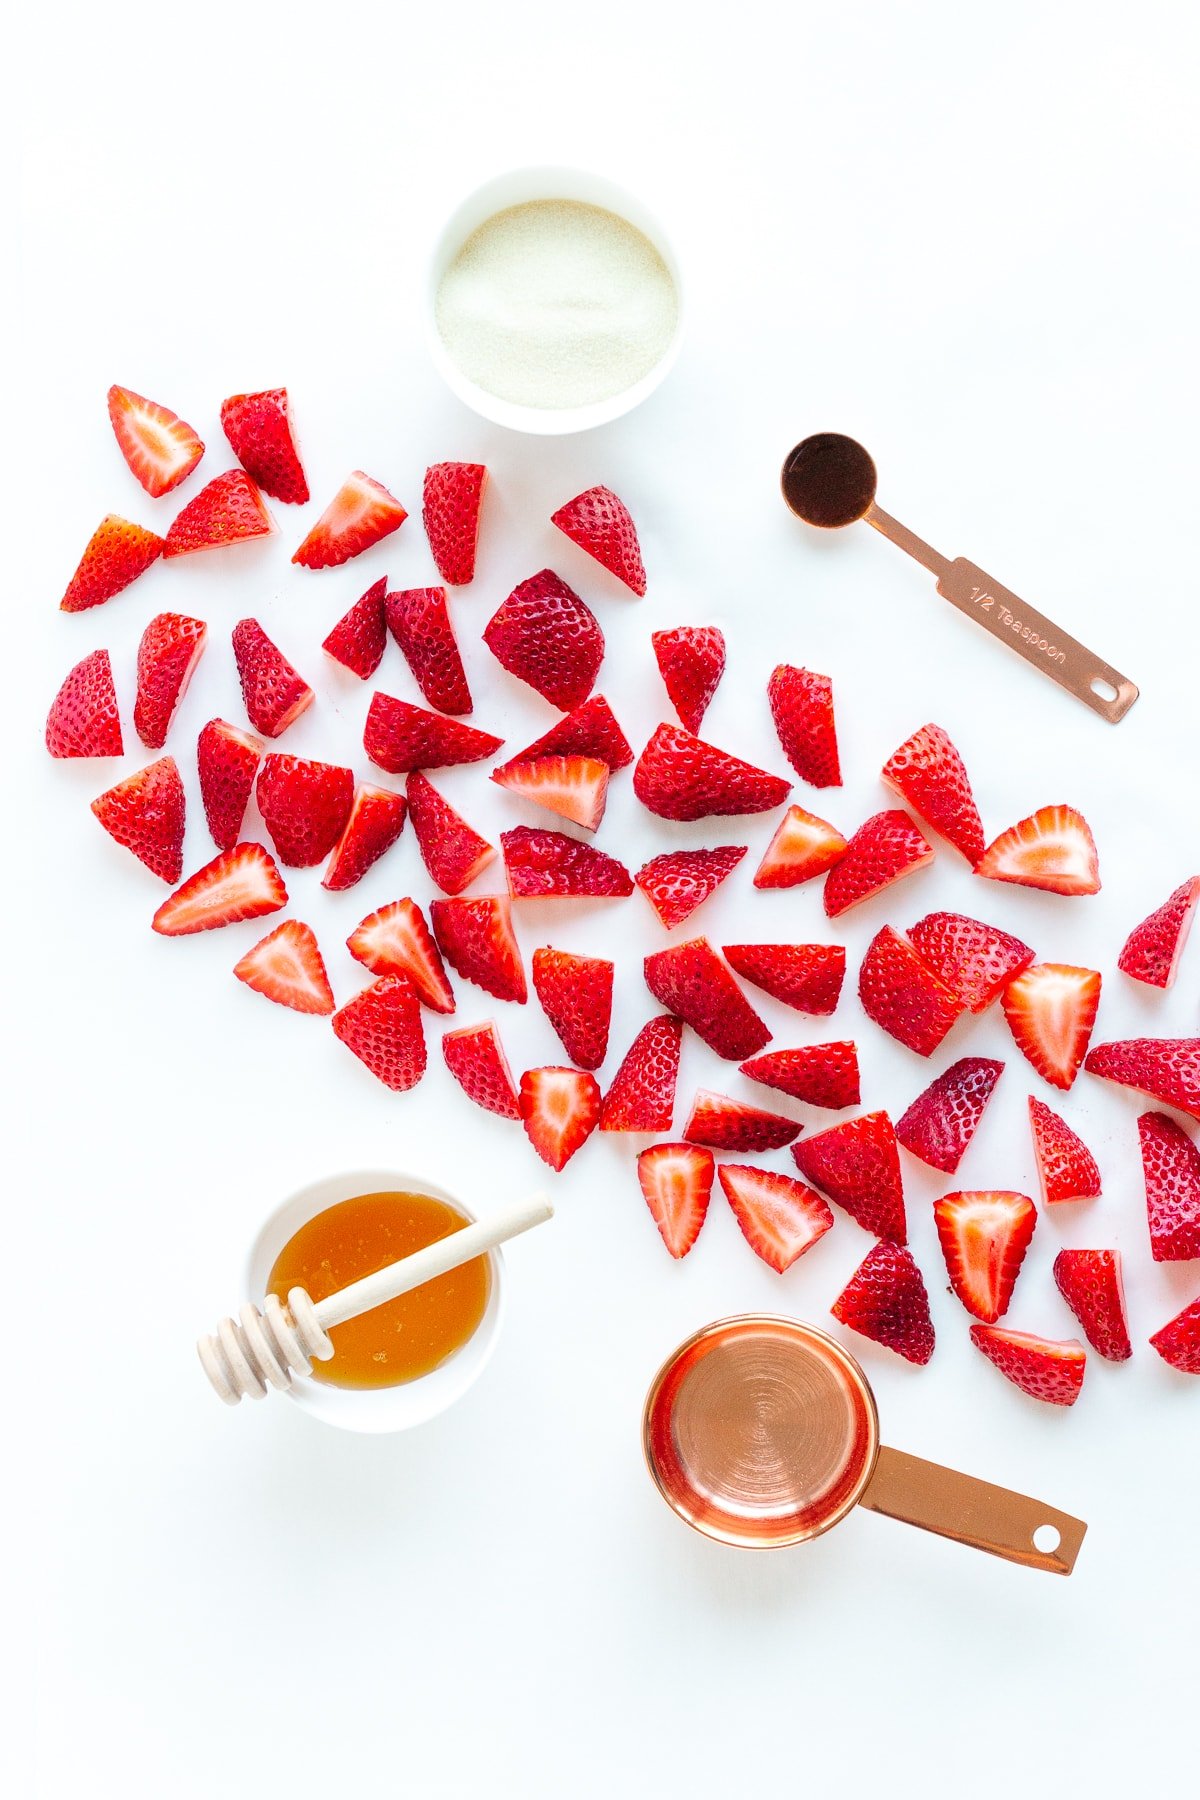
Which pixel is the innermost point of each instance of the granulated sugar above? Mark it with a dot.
(556, 304)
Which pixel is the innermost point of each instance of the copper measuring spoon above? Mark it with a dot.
(829, 480)
(761, 1431)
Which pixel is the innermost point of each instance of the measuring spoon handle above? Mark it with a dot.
(970, 1511)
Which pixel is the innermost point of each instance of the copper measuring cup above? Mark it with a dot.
(760, 1431)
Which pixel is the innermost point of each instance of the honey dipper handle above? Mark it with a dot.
(972, 1512)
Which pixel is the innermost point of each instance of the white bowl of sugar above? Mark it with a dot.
(554, 301)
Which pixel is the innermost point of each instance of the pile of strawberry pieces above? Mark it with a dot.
(917, 985)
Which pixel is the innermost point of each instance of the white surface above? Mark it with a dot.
(963, 234)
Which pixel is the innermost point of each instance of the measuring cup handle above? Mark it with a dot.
(973, 1512)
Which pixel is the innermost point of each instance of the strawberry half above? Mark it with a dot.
(941, 1122)
(679, 776)
(591, 730)
(1153, 948)
(242, 883)
(273, 694)
(819, 1074)
(361, 513)
(1171, 1166)
(1051, 1008)
(400, 737)
(902, 994)
(548, 864)
(382, 1026)
(778, 1217)
(802, 708)
(229, 510)
(574, 787)
(170, 648)
(807, 977)
(857, 1164)
(476, 938)
(359, 638)
(228, 760)
(642, 1095)
(884, 849)
(259, 429)
(1066, 1167)
(560, 1109)
(676, 1182)
(545, 636)
(691, 661)
(304, 806)
(1178, 1341)
(602, 525)
(575, 993)
(83, 719)
(451, 850)
(117, 552)
(974, 960)
(691, 981)
(726, 1124)
(1090, 1283)
(1053, 849)
(475, 1057)
(375, 821)
(679, 881)
(146, 813)
(1166, 1069)
(450, 507)
(288, 968)
(802, 847)
(928, 774)
(419, 620)
(159, 448)
(885, 1300)
(397, 941)
(984, 1237)
(1041, 1367)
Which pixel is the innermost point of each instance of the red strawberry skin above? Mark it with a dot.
(83, 718)
(1041, 1367)
(940, 1123)
(807, 977)
(602, 525)
(419, 620)
(679, 881)
(1152, 950)
(117, 553)
(676, 1182)
(159, 447)
(228, 760)
(802, 708)
(857, 1164)
(228, 511)
(974, 960)
(259, 429)
(400, 737)
(242, 883)
(146, 814)
(382, 1026)
(692, 982)
(374, 822)
(591, 730)
(170, 648)
(451, 850)
(575, 993)
(642, 1095)
(273, 693)
(679, 776)
(304, 805)
(1178, 1341)
(903, 996)
(476, 1059)
(885, 848)
(545, 636)
(1066, 1166)
(451, 503)
(548, 864)
(1171, 1166)
(886, 1301)
(1090, 1283)
(691, 661)
(1166, 1069)
(724, 1124)
(928, 773)
(560, 1109)
(361, 514)
(819, 1074)
(477, 940)
(359, 638)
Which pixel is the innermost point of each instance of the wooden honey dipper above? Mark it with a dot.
(266, 1348)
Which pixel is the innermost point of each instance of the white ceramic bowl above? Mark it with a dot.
(413, 1402)
(516, 188)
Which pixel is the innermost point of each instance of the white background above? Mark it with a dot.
(965, 234)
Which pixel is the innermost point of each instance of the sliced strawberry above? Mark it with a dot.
(885, 1300)
(575, 993)
(545, 864)
(476, 938)
(679, 776)
(170, 648)
(382, 1026)
(976, 961)
(807, 977)
(83, 719)
(691, 661)
(642, 1095)
(819, 1074)
(146, 813)
(941, 1122)
(475, 1057)
(691, 981)
(117, 553)
(1178, 1341)
(1090, 1283)
(902, 994)
(802, 847)
(928, 774)
(1041, 1367)
(359, 638)
(259, 429)
(884, 849)
(419, 620)
(591, 730)
(676, 1181)
(450, 509)
(1066, 1167)
(304, 805)
(725, 1124)
(1051, 1008)
(287, 967)
(1153, 948)
(1166, 1069)
(984, 1237)
(1171, 1167)
(1052, 849)
(159, 448)
(574, 787)
(857, 1164)
(361, 513)
(603, 526)
(778, 1217)
(228, 761)
(400, 737)
(273, 694)
(560, 1109)
(545, 636)
(375, 821)
(679, 881)
(230, 510)
(241, 883)
(802, 708)
(451, 850)
(397, 941)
